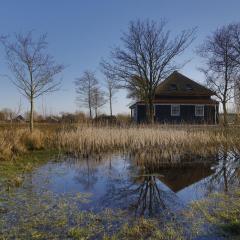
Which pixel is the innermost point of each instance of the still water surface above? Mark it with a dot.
(119, 182)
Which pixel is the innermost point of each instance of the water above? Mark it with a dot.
(58, 191)
(116, 181)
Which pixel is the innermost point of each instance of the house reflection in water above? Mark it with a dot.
(152, 196)
(149, 192)
(179, 178)
(141, 188)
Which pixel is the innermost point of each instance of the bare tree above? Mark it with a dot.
(221, 68)
(112, 87)
(148, 53)
(235, 34)
(34, 70)
(98, 99)
(85, 86)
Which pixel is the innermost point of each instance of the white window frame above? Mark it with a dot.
(133, 112)
(196, 113)
(178, 112)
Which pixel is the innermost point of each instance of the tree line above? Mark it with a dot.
(147, 55)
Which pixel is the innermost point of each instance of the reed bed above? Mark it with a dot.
(146, 142)
(16, 142)
(152, 141)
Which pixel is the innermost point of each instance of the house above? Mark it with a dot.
(179, 99)
(19, 119)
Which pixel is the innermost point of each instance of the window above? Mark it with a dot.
(189, 87)
(175, 110)
(173, 87)
(199, 110)
(133, 112)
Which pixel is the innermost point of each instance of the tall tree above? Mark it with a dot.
(98, 99)
(235, 34)
(148, 53)
(34, 70)
(112, 88)
(85, 86)
(221, 68)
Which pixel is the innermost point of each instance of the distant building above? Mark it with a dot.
(19, 118)
(52, 119)
(179, 100)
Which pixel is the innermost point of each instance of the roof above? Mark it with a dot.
(179, 85)
(19, 118)
(177, 179)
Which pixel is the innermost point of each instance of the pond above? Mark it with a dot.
(118, 182)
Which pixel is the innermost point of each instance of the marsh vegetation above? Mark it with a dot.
(108, 182)
(166, 142)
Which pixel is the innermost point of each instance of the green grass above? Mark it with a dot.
(220, 213)
(12, 172)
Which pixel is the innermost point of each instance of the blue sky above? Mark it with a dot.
(81, 32)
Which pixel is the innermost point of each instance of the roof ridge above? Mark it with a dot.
(175, 75)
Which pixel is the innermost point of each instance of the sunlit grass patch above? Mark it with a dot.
(220, 213)
(12, 172)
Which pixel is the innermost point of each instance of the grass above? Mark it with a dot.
(12, 172)
(152, 142)
(15, 142)
(219, 213)
(60, 218)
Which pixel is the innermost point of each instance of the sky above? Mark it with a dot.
(82, 32)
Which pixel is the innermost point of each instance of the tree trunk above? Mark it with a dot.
(225, 121)
(90, 103)
(225, 171)
(110, 103)
(90, 112)
(31, 115)
(96, 112)
(150, 111)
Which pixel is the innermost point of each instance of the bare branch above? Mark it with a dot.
(221, 64)
(149, 54)
(33, 69)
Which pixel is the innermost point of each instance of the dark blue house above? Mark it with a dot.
(179, 99)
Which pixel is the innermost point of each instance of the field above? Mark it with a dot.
(150, 148)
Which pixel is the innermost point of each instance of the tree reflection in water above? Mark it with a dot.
(87, 173)
(140, 193)
(148, 188)
(226, 172)
(150, 197)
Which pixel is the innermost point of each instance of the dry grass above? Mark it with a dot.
(167, 143)
(143, 141)
(16, 142)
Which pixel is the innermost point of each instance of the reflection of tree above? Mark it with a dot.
(149, 197)
(226, 172)
(87, 173)
(90, 169)
(141, 194)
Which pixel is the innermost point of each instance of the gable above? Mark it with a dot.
(179, 85)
